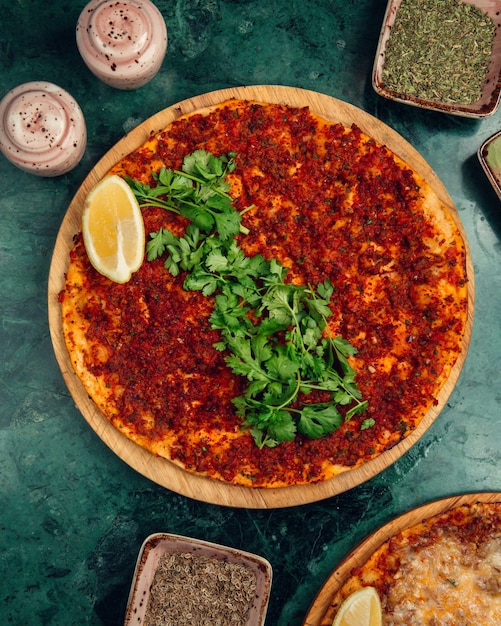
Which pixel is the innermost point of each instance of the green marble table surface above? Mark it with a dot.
(72, 514)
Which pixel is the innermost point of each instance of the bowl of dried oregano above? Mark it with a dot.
(443, 55)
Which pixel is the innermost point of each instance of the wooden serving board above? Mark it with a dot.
(162, 471)
(322, 612)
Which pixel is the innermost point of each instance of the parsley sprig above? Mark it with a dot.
(273, 332)
(199, 192)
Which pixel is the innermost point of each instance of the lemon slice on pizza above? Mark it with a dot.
(361, 608)
(113, 229)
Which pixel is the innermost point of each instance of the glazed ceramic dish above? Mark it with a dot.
(489, 155)
(159, 544)
(484, 106)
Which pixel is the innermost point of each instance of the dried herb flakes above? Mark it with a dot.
(191, 589)
(439, 50)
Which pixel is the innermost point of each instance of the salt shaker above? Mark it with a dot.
(42, 129)
(122, 42)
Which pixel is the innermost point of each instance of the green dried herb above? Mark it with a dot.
(439, 50)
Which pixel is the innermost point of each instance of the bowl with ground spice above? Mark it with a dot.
(443, 55)
(181, 581)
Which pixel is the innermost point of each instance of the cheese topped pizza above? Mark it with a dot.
(445, 570)
(342, 215)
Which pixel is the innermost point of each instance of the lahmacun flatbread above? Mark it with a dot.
(328, 202)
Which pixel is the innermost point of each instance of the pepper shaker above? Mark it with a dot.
(42, 129)
(122, 42)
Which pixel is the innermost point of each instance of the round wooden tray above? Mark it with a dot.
(162, 471)
(322, 612)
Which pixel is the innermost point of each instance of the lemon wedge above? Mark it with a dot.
(361, 608)
(113, 229)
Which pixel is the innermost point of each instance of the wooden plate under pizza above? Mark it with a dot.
(323, 609)
(330, 111)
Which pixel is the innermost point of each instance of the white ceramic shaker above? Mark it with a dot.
(122, 42)
(42, 129)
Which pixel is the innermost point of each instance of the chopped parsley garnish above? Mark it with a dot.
(273, 333)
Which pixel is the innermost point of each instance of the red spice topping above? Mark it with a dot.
(328, 204)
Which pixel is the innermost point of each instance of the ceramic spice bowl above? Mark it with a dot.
(489, 155)
(178, 578)
(443, 55)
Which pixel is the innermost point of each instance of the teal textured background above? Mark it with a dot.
(72, 515)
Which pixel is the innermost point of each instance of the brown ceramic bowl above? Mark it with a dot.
(162, 543)
(491, 91)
